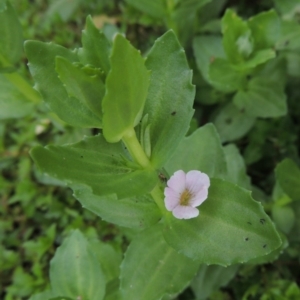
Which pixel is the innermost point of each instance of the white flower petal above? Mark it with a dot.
(199, 198)
(177, 181)
(172, 198)
(185, 212)
(195, 181)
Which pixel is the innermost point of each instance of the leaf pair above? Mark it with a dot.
(81, 268)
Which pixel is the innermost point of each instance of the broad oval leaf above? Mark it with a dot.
(231, 228)
(136, 212)
(97, 164)
(41, 58)
(152, 269)
(288, 176)
(11, 36)
(75, 271)
(232, 123)
(206, 50)
(265, 28)
(170, 97)
(262, 98)
(200, 151)
(126, 90)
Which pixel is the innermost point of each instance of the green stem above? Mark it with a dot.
(137, 152)
(158, 198)
(135, 149)
(20, 83)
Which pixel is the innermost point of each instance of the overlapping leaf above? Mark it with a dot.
(151, 268)
(72, 110)
(170, 97)
(97, 164)
(126, 90)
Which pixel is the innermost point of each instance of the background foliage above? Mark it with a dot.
(38, 212)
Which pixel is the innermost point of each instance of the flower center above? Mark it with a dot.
(185, 198)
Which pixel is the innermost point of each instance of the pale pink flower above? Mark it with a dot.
(185, 192)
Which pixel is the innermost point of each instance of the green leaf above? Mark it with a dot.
(206, 50)
(108, 258)
(288, 176)
(233, 80)
(236, 167)
(126, 90)
(237, 40)
(89, 90)
(260, 57)
(63, 9)
(75, 271)
(151, 268)
(231, 228)
(210, 278)
(3, 5)
(156, 9)
(232, 123)
(97, 164)
(41, 58)
(262, 98)
(96, 47)
(11, 36)
(136, 212)
(112, 290)
(42, 296)
(184, 16)
(170, 97)
(13, 103)
(290, 36)
(284, 217)
(200, 151)
(265, 28)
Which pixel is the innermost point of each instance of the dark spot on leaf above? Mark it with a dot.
(173, 113)
(286, 43)
(264, 246)
(246, 239)
(248, 77)
(81, 156)
(242, 110)
(262, 221)
(228, 121)
(249, 223)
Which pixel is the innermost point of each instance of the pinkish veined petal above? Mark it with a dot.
(172, 198)
(185, 212)
(196, 180)
(177, 181)
(199, 198)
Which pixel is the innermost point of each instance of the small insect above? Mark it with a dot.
(162, 177)
(246, 239)
(264, 246)
(262, 221)
(173, 113)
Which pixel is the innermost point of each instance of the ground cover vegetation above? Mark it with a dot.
(149, 149)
